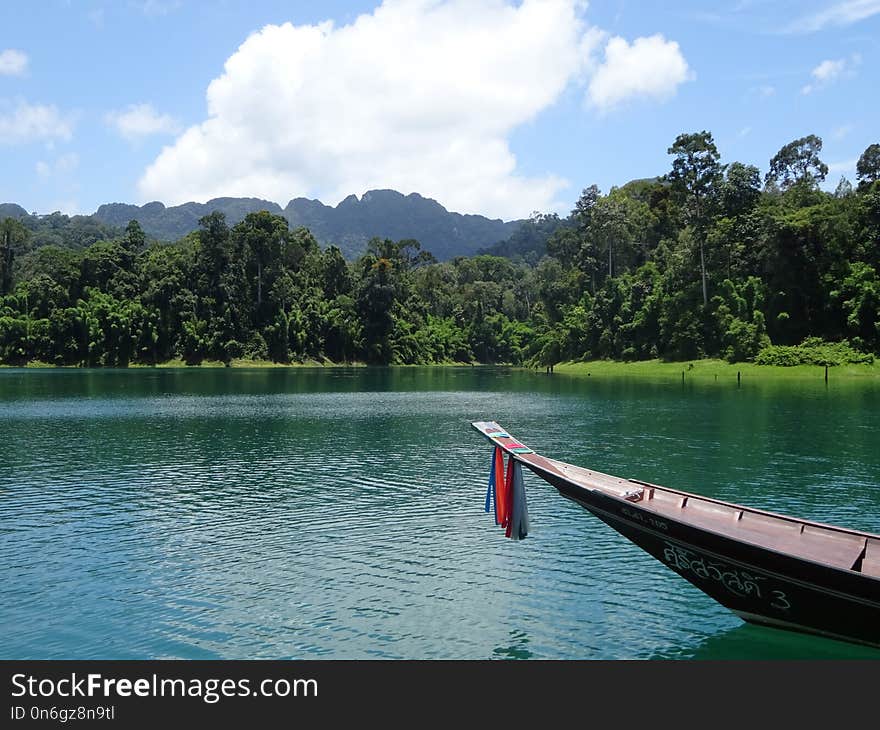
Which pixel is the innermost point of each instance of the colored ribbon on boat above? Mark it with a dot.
(518, 526)
(507, 492)
(508, 495)
(500, 493)
(490, 492)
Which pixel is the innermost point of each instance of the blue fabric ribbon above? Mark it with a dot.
(490, 492)
(519, 519)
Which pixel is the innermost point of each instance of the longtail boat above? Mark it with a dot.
(767, 568)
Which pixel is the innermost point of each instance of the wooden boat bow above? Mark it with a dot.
(766, 567)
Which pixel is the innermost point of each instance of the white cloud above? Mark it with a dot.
(157, 7)
(830, 71)
(650, 66)
(764, 91)
(838, 14)
(842, 131)
(744, 132)
(141, 120)
(418, 95)
(29, 122)
(13, 62)
(61, 167)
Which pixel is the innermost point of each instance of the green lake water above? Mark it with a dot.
(338, 513)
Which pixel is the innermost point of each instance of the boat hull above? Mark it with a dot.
(759, 585)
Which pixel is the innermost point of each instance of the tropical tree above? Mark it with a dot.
(868, 166)
(135, 238)
(798, 163)
(617, 226)
(695, 177)
(13, 237)
(262, 237)
(377, 297)
(740, 190)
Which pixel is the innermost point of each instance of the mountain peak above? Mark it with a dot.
(382, 213)
(349, 200)
(12, 210)
(383, 195)
(390, 214)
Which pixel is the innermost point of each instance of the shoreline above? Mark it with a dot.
(240, 364)
(640, 369)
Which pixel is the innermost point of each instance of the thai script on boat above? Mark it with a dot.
(643, 518)
(738, 582)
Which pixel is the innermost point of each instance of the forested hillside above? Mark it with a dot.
(709, 260)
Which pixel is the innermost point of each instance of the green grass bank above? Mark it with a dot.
(710, 369)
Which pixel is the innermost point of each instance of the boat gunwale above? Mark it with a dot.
(733, 505)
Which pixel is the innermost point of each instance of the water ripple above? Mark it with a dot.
(339, 514)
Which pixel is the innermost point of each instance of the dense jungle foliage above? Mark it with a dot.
(708, 260)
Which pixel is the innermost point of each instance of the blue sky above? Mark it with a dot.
(489, 107)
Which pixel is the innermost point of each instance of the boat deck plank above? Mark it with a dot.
(826, 546)
(871, 563)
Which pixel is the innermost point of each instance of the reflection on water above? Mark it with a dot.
(338, 513)
(747, 641)
(517, 648)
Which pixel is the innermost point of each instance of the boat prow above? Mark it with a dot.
(767, 568)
